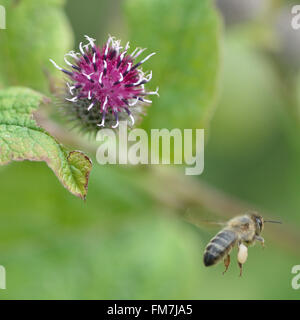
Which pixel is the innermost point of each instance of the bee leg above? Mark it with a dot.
(226, 263)
(261, 240)
(241, 268)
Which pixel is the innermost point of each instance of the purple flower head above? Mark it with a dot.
(106, 84)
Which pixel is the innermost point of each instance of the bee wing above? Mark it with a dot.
(212, 223)
(192, 215)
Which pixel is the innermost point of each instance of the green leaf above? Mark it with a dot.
(35, 31)
(22, 139)
(185, 35)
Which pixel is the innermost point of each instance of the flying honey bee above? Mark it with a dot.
(241, 231)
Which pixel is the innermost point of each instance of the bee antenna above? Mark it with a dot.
(273, 221)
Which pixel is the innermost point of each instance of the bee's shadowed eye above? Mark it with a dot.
(259, 223)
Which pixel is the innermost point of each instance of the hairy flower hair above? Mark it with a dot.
(105, 85)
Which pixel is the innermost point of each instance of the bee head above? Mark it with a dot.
(258, 221)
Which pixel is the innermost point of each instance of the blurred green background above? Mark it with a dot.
(230, 66)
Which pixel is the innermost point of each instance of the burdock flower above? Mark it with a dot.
(105, 85)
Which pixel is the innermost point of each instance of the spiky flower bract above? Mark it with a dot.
(105, 85)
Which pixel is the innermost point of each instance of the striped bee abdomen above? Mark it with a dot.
(219, 246)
